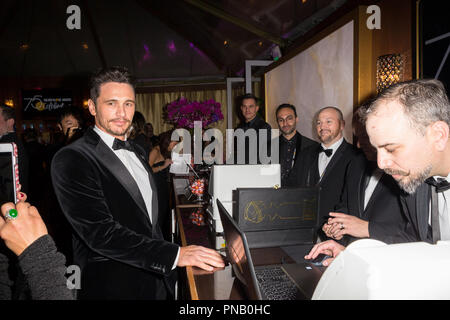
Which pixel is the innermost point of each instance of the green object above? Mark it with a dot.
(13, 213)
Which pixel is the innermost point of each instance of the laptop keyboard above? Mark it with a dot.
(275, 284)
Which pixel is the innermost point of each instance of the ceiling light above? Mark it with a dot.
(9, 103)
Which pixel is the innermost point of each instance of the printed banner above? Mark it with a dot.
(46, 102)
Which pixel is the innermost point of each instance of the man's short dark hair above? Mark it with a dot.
(71, 111)
(250, 96)
(113, 74)
(288, 106)
(423, 101)
(7, 112)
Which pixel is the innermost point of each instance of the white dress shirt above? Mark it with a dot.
(324, 160)
(137, 171)
(444, 219)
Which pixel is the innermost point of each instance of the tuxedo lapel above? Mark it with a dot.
(362, 191)
(141, 158)
(422, 209)
(376, 191)
(313, 174)
(334, 159)
(118, 170)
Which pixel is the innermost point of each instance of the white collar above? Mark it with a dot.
(335, 145)
(446, 178)
(106, 137)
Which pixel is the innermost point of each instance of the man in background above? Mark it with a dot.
(70, 123)
(291, 142)
(325, 165)
(252, 122)
(370, 204)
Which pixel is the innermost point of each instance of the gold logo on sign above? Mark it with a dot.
(253, 211)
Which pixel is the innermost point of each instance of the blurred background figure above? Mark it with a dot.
(71, 126)
(160, 160)
(37, 166)
(139, 135)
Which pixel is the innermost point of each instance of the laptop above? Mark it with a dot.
(271, 282)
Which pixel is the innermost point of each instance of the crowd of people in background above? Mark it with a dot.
(105, 189)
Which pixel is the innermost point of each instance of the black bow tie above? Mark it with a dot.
(328, 152)
(119, 144)
(441, 184)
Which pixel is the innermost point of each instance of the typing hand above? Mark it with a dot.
(198, 256)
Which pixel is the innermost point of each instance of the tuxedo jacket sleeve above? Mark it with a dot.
(383, 210)
(412, 227)
(103, 213)
(416, 208)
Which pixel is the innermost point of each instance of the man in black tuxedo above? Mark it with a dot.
(107, 193)
(291, 142)
(409, 125)
(370, 204)
(8, 135)
(325, 165)
(252, 123)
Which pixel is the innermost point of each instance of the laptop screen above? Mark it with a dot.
(238, 254)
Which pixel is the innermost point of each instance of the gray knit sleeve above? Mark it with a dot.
(5, 281)
(44, 270)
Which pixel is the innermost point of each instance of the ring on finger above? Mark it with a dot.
(11, 214)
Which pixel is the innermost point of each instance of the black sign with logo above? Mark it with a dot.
(45, 102)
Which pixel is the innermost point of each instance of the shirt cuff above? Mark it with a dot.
(176, 259)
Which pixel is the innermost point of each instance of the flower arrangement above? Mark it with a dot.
(183, 113)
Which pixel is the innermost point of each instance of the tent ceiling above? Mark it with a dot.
(154, 39)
